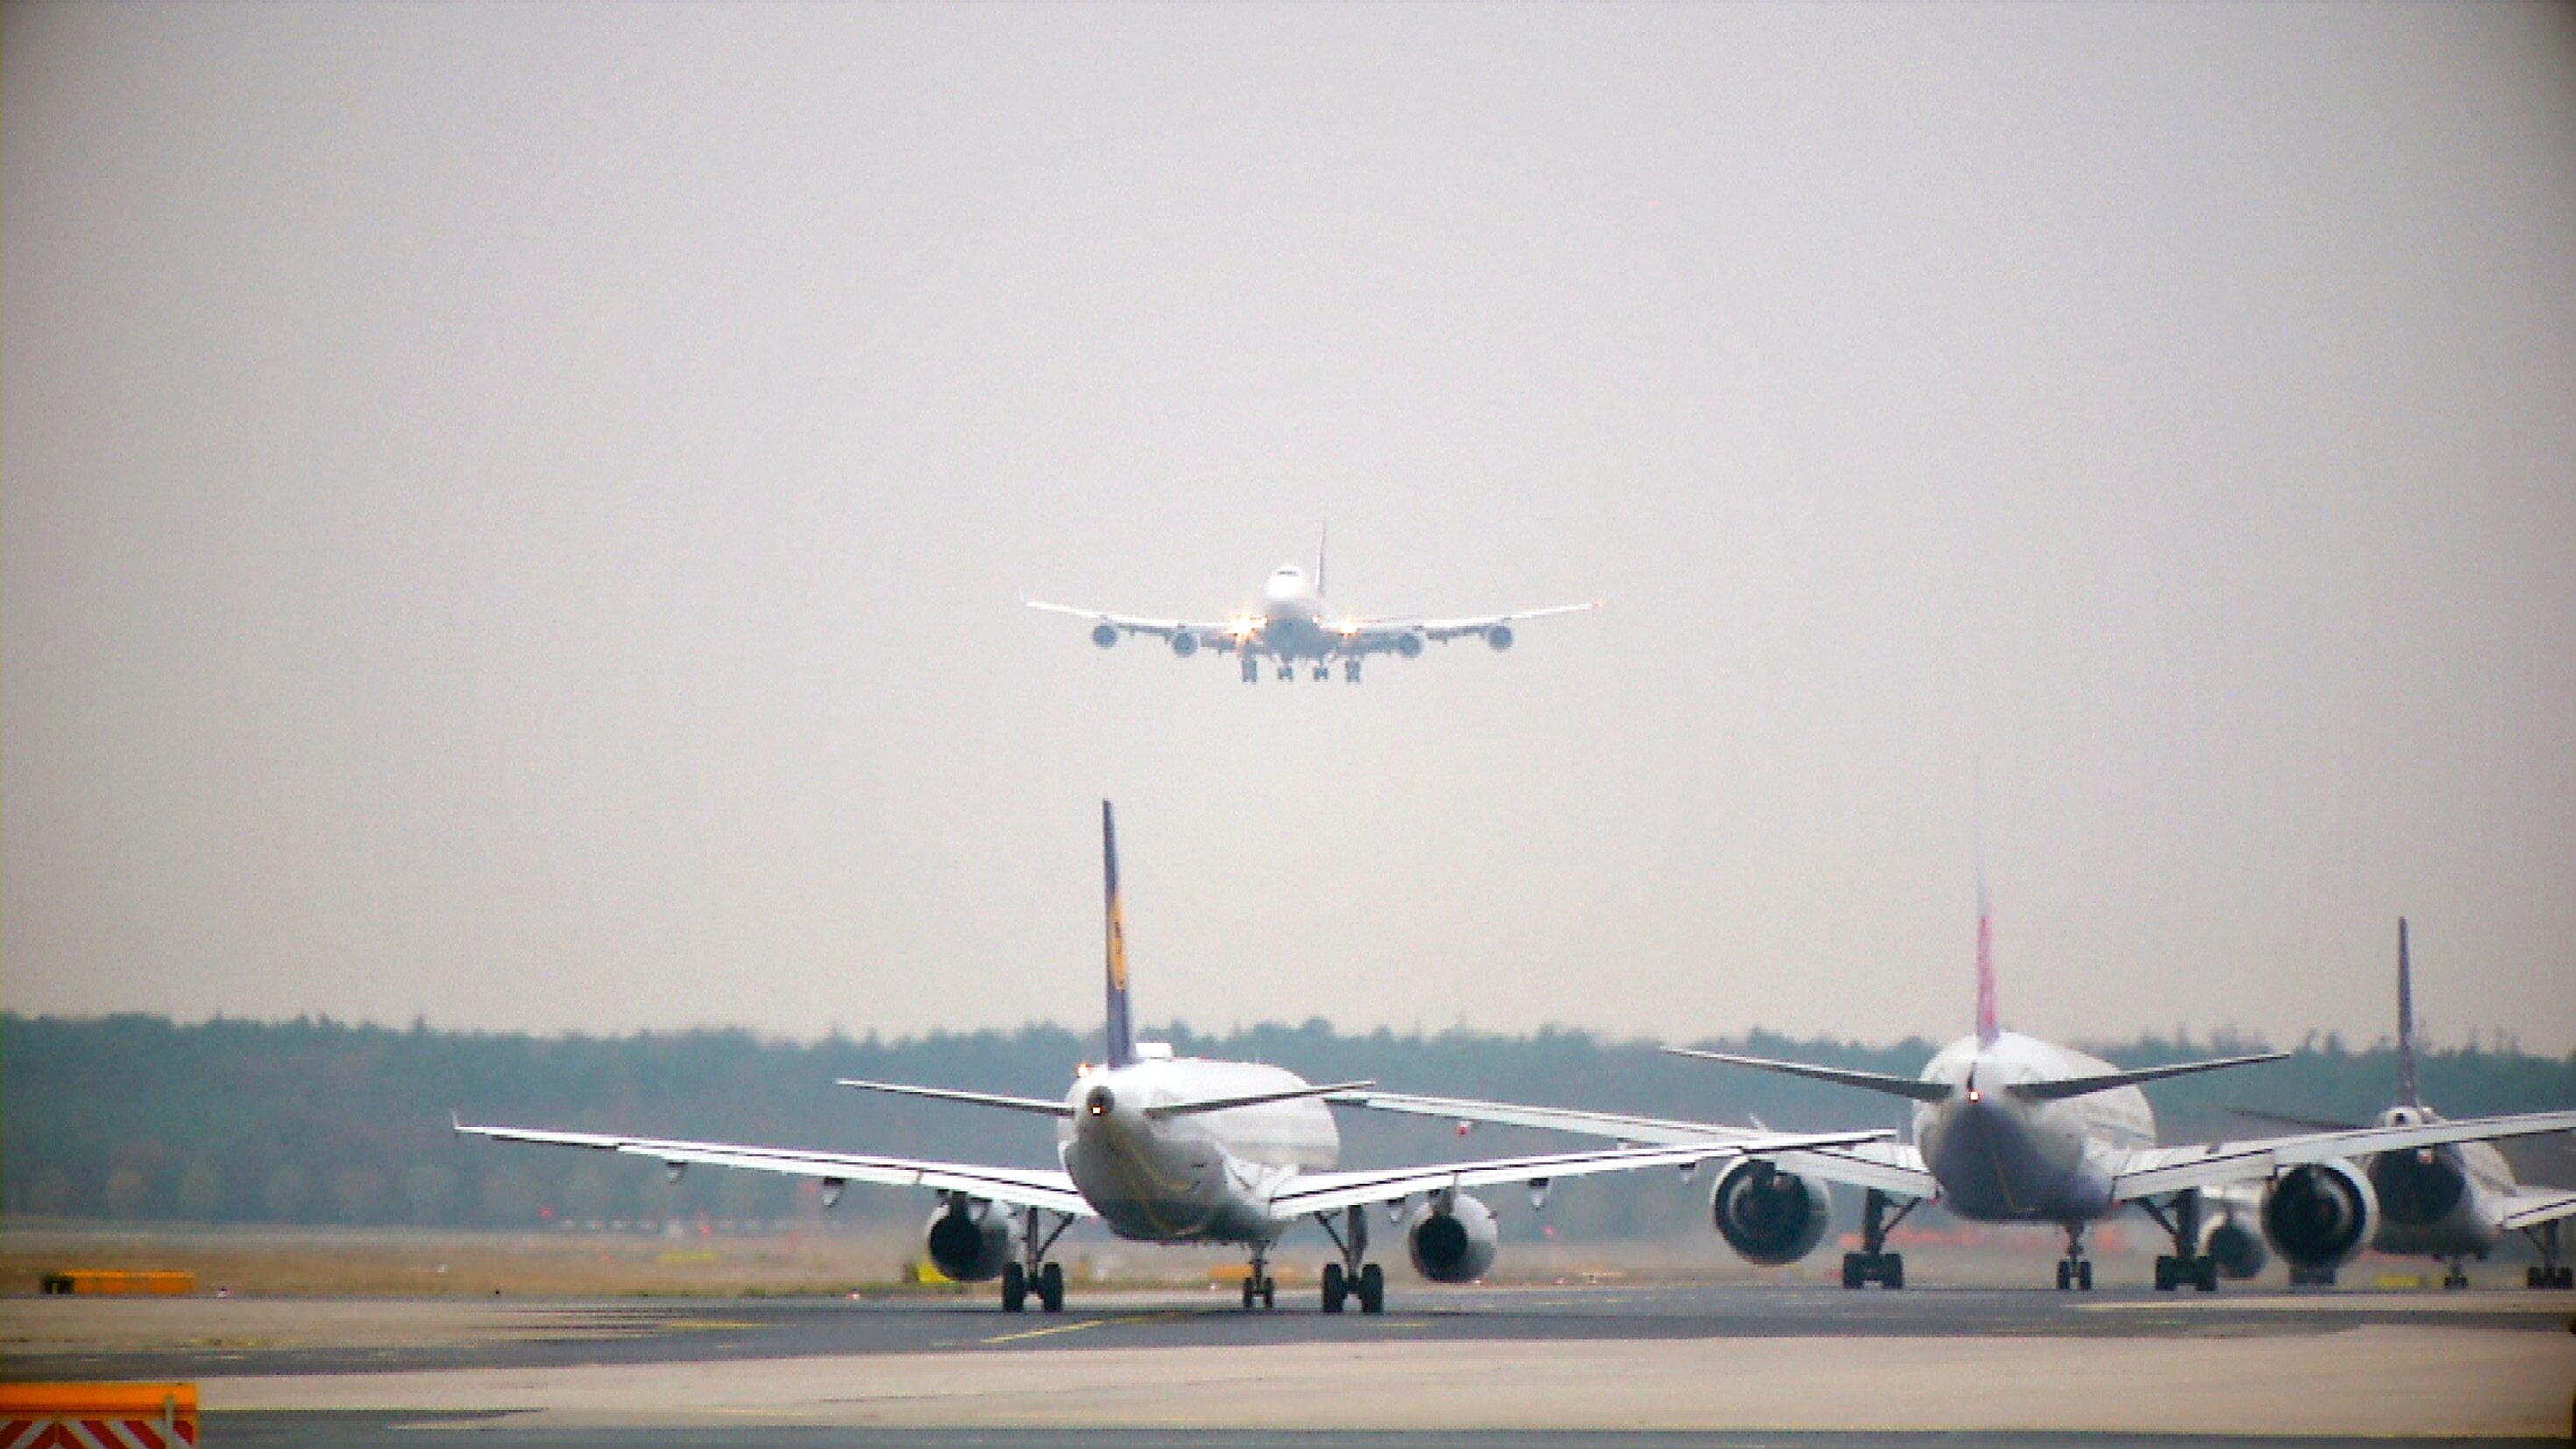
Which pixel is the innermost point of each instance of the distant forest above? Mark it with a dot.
(318, 1122)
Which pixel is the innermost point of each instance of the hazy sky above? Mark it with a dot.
(517, 514)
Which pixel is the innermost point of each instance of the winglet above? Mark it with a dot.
(2406, 1091)
(1120, 1033)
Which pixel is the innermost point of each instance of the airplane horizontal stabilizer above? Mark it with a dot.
(1039, 1105)
(2065, 1087)
(1220, 1104)
(1914, 1088)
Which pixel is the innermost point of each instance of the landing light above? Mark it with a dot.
(1975, 1096)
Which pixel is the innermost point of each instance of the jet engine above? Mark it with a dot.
(1409, 645)
(1103, 635)
(2320, 1215)
(970, 1241)
(1769, 1216)
(2235, 1239)
(1453, 1244)
(1500, 636)
(1185, 644)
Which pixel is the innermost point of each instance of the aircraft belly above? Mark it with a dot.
(1993, 1168)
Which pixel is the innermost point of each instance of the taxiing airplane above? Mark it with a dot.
(2453, 1202)
(2009, 1128)
(1293, 627)
(1176, 1150)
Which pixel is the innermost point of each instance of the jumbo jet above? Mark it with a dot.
(1166, 1149)
(2452, 1202)
(1293, 626)
(2012, 1129)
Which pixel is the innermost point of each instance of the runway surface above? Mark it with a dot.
(1730, 1364)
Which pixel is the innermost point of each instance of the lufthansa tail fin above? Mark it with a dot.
(1121, 1032)
(1987, 1026)
(2406, 1090)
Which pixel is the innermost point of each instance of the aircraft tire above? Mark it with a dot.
(2065, 1276)
(2164, 1273)
(1269, 1292)
(2204, 1274)
(1015, 1288)
(2084, 1275)
(1891, 1270)
(1852, 1275)
(1372, 1289)
(1051, 1287)
(1336, 1288)
(1251, 1289)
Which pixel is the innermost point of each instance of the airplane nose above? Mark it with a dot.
(1101, 1102)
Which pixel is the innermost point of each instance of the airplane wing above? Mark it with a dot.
(2157, 1170)
(1324, 1192)
(2529, 1207)
(1051, 1189)
(1209, 636)
(1444, 630)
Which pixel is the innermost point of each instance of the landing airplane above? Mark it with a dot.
(1178, 1150)
(2009, 1128)
(1294, 627)
(2452, 1202)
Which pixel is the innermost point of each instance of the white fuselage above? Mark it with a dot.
(1291, 622)
(1205, 1176)
(2002, 1158)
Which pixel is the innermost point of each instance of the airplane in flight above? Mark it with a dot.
(2453, 1202)
(1293, 626)
(2009, 1128)
(1166, 1149)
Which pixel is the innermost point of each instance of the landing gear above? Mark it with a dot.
(1350, 671)
(1251, 670)
(2075, 1271)
(1873, 1263)
(1287, 672)
(1323, 672)
(2457, 1276)
(1351, 1278)
(2549, 1273)
(1258, 1284)
(1034, 1273)
(2184, 1266)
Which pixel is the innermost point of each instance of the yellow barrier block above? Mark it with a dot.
(149, 1416)
(110, 1280)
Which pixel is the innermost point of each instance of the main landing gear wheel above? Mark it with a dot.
(1351, 1278)
(2173, 1273)
(2542, 1276)
(1873, 1263)
(1015, 1288)
(1251, 670)
(1351, 671)
(1051, 1287)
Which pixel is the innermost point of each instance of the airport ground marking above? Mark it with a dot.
(1078, 1327)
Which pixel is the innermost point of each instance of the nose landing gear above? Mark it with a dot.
(1258, 1284)
(2075, 1270)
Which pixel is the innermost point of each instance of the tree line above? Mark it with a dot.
(135, 1117)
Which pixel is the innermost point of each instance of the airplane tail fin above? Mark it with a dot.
(1120, 1032)
(2406, 1091)
(1987, 1027)
(1323, 535)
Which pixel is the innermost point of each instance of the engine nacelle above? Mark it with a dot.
(1185, 644)
(1104, 635)
(2320, 1215)
(1768, 1216)
(2234, 1241)
(1455, 1246)
(1409, 645)
(1500, 636)
(969, 1242)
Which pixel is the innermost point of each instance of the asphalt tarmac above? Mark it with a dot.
(1725, 1365)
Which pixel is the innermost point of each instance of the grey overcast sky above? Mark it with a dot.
(517, 514)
